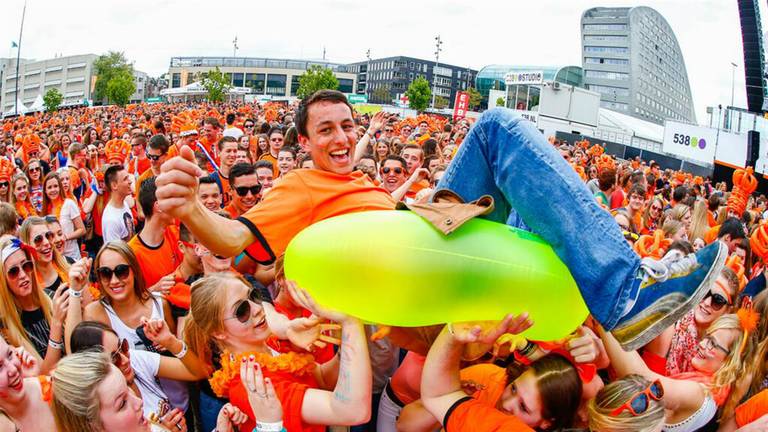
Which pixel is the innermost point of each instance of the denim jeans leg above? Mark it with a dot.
(509, 159)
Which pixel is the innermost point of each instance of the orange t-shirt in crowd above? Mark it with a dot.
(491, 378)
(273, 160)
(751, 410)
(711, 218)
(303, 197)
(471, 414)
(158, 262)
(232, 210)
(138, 166)
(416, 187)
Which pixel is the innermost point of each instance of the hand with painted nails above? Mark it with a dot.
(261, 393)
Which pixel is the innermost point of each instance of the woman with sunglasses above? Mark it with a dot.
(227, 325)
(652, 215)
(692, 399)
(51, 269)
(55, 203)
(20, 197)
(22, 394)
(674, 349)
(34, 173)
(31, 319)
(630, 404)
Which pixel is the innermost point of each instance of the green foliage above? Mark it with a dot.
(314, 79)
(500, 102)
(419, 94)
(475, 98)
(441, 102)
(120, 88)
(216, 84)
(107, 67)
(52, 99)
(382, 95)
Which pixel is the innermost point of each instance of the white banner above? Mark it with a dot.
(732, 149)
(689, 141)
(524, 78)
(531, 116)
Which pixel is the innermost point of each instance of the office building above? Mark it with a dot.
(632, 58)
(385, 78)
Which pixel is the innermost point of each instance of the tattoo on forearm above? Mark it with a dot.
(344, 382)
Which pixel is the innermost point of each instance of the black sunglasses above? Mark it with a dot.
(248, 126)
(4, 184)
(14, 271)
(243, 190)
(243, 307)
(718, 300)
(397, 170)
(38, 239)
(154, 158)
(105, 273)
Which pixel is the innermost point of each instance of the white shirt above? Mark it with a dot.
(233, 132)
(117, 223)
(145, 365)
(69, 212)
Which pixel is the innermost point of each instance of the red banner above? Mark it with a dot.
(460, 105)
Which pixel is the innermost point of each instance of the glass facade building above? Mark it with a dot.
(492, 78)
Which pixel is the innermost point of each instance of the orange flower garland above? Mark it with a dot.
(291, 363)
(654, 246)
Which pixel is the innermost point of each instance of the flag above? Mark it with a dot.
(14, 44)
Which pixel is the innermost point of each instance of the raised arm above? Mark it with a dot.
(377, 122)
(186, 366)
(78, 280)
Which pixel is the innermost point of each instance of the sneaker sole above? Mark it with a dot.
(671, 316)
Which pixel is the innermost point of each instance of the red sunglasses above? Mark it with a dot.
(640, 401)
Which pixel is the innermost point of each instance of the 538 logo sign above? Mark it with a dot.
(688, 140)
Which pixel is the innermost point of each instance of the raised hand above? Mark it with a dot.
(307, 333)
(158, 332)
(261, 394)
(487, 332)
(302, 298)
(60, 305)
(229, 418)
(78, 274)
(30, 367)
(164, 285)
(177, 184)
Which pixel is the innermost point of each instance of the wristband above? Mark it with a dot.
(56, 345)
(183, 351)
(269, 427)
(75, 293)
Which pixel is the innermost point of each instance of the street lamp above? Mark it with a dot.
(368, 73)
(438, 44)
(733, 80)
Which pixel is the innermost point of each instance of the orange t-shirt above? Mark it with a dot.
(492, 378)
(303, 197)
(232, 210)
(471, 414)
(751, 410)
(157, 262)
(139, 166)
(273, 160)
(416, 187)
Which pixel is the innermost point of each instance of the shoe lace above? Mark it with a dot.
(673, 263)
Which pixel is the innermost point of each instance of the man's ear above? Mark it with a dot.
(304, 143)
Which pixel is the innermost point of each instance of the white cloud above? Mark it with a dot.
(475, 34)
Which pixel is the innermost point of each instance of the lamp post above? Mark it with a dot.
(438, 44)
(733, 79)
(368, 73)
(18, 58)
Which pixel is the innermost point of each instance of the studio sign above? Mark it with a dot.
(688, 140)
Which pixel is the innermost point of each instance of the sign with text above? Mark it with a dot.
(357, 98)
(524, 78)
(460, 105)
(690, 141)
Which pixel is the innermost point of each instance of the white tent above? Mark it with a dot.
(197, 89)
(38, 104)
(22, 109)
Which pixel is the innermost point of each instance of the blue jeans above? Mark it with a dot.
(508, 158)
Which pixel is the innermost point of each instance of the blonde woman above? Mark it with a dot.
(22, 397)
(674, 229)
(699, 221)
(30, 319)
(681, 213)
(51, 267)
(652, 215)
(630, 404)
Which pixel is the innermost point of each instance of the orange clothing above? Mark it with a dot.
(234, 213)
(213, 150)
(752, 409)
(157, 262)
(471, 414)
(711, 218)
(273, 160)
(406, 381)
(138, 166)
(226, 192)
(711, 234)
(416, 187)
(145, 175)
(303, 197)
(492, 378)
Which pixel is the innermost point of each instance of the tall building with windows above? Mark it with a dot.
(383, 79)
(631, 57)
(265, 76)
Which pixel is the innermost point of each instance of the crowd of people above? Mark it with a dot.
(143, 283)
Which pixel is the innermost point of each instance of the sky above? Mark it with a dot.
(475, 33)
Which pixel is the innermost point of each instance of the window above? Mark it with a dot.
(604, 38)
(606, 75)
(439, 70)
(610, 27)
(190, 78)
(237, 79)
(276, 85)
(345, 85)
(294, 84)
(176, 80)
(608, 90)
(610, 61)
(610, 50)
(410, 65)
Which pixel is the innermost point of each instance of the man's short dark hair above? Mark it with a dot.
(637, 189)
(275, 130)
(207, 180)
(75, 148)
(147, 198)
(395, 158)
(213, 121)
(159, 142)
(263, 164)
(733, 227)
(110, 175)
(140, 140)
(224, 140)
(679, 193)
(230, 118)
(239, 170)
(606, 179)
(302, 114)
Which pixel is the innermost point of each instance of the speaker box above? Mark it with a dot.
(753, 147)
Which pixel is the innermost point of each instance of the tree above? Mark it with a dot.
(108, 66)
(475, 98)
(314, 79)
(500, 101)
(441, 102)
(120, 88)
(382, 94)
(216, 84)
(52, 99)
(419, 94)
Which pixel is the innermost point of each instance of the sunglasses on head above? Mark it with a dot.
(51, 219)
(38, 239)
(640, 401)
(243, 190)
(717, 300)
(397, 170)
(154, 158)
(105, 273)
(243, 307)
(14, 271)
(122, 348)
